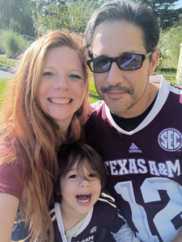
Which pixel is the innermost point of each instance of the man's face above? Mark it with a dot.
(126, 93)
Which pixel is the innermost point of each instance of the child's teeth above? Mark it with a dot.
(84, 201)
(83, 198)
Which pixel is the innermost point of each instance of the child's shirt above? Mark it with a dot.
(103, 223)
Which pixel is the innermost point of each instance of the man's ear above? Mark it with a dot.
(153, 62)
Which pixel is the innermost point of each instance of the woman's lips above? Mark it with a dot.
(60, 100)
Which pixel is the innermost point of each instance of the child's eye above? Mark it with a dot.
(73, 176)
(48, 74)
(92, 175)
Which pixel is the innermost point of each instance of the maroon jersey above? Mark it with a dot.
(144, 165)
(102, 224)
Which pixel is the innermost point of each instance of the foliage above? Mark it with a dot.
(1, 44)
(73, 15)
(164, 10)
(55, 17)
(21, 15)
(159, 64)
(169, 44)
(13, 43)
(17, 16)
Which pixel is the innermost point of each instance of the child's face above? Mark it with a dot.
(78, 194)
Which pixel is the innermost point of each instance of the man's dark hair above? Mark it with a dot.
(130, 12)
(83, 155)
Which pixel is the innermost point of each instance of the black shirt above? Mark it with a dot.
(129, 124)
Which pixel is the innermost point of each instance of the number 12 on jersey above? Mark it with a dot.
(162, 219)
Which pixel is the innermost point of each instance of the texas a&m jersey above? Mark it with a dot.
(103, 223)
(144, 166)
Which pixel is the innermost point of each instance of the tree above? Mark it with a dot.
(55, 16)
(164, 10)
(17, 15)
(70, 15)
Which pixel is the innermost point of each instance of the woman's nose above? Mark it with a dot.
(61, 82)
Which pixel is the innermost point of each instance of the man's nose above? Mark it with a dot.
(115, 75)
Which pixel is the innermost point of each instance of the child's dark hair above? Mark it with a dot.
(84, 155)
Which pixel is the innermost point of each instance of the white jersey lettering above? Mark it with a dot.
(132, 165)
(123, 169)
(175, 168)
(140, 163)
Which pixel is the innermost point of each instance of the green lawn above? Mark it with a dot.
(92, 92)
(3, 85)
(169, 74)
(5, 62)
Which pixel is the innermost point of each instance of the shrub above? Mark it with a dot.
(169, 44)
(1, 44)
(13, 43)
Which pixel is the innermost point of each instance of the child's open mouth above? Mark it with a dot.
(83, 198)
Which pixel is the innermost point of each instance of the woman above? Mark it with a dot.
(46, 105)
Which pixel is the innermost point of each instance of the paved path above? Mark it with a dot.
(5, 73)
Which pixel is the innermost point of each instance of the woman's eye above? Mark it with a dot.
(73, 176)
(48, 74)
(75, 76)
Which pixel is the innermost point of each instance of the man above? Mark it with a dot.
(137, 130)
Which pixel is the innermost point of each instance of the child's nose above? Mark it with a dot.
(84, 182)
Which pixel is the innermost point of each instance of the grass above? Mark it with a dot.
(3, 85)
(170, 75)
(5, 62)
(94, 97)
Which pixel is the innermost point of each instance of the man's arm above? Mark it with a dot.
(8, 208)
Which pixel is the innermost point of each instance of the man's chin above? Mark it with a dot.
(119, 111)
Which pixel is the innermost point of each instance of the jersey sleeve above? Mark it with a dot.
(125, 234)
(12, 174)
(115, 222)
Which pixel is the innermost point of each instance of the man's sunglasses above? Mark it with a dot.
(126, 62)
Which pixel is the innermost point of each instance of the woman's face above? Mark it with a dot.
(62, 87)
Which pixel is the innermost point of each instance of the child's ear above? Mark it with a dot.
(57, 193)
(57, 190)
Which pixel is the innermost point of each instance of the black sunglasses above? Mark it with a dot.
(126, 62)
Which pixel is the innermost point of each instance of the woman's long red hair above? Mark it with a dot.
(32, 134)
